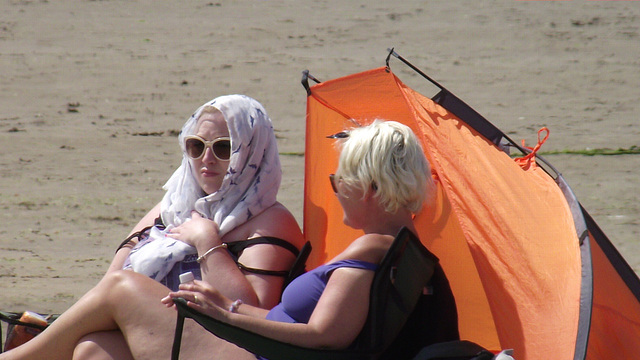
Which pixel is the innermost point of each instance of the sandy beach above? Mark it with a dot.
(93, 93)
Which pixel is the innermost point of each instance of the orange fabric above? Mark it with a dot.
(505, 235)
(521, 234)
(615, 322)
(440, 232)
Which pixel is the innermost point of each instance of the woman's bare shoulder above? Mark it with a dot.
(276, 221)
(368, 247)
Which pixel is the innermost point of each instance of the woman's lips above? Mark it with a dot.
(208, 173)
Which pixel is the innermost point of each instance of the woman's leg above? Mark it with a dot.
(147, 326)
(121, 300)
(90, 314)
(131, 303)
(103, 345)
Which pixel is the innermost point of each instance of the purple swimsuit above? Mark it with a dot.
(301, 296)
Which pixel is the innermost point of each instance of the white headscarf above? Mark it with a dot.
(250, 185)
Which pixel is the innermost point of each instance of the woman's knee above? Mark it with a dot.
(88, 350)
(126, 286)
(106, 345)
(122, 282)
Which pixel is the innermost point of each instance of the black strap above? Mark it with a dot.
(131, 237)
(137, 234)
(236, 247)
(282, 273)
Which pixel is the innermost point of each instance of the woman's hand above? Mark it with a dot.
(198, 232)
(200, 296)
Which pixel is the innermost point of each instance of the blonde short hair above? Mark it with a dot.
(387, 158)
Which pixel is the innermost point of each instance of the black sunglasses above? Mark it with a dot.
(197, 146)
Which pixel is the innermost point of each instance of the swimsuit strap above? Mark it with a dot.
(236, 247)
(282, 273)
(158, 223)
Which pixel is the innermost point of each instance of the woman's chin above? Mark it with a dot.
(210, 188)
(347, 222)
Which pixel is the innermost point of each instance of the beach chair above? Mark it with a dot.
(28, 331)
(409, 293)
(299, 265)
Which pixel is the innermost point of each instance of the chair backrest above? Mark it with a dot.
(434, 320)
(299, 265)
(397, 286)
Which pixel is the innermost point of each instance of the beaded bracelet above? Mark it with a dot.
(235, 305)
(201, 257)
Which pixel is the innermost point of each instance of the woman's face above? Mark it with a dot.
(209, 170)
(351, 200)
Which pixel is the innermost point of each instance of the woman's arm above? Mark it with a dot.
(220, 270)
(121, 255)
(335, 322)
(278, 222)
(216, 264)
(208, 296)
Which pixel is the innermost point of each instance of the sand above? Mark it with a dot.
(92, 94)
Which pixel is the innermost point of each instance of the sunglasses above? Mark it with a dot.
(197, 146)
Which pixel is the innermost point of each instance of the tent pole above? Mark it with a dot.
(396, 55)
(305, 81)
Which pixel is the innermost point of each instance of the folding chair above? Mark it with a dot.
(399, 284)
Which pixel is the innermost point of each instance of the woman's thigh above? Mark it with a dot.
(149, 326)
(198, 343)
(104, 345)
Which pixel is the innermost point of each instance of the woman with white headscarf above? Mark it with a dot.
(219, 219)
(236, 191)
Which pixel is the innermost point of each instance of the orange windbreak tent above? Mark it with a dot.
(529, 268)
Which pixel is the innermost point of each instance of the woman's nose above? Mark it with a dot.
(208, 156)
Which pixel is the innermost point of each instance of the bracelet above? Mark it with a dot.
(201, 257)
(235, 305)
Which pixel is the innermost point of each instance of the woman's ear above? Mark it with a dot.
(371, 193)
